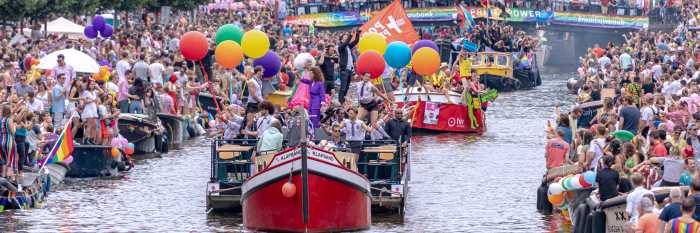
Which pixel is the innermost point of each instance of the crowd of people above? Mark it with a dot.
(635, 123)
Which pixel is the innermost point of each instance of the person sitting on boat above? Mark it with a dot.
(368, 95)
(608, 179)
(263, 120)
(271, 139)
(354, 130)
(557, 150)
(684, 223)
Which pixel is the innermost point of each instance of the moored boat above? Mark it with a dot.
(498, 71)
(319, 194)
(93, 161)
(206, 101)
(34, 189)
(175, 129)
(442, 112)
(141, 131)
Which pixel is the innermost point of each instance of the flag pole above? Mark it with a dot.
(52, 153)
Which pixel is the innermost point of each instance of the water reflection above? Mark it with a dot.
(460, 183)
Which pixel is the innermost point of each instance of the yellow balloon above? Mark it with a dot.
(255, 44)
(372, 41)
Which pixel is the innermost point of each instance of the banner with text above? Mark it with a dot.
(516, 15)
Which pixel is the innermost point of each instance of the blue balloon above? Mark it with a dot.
(397, 54)
(589, 177)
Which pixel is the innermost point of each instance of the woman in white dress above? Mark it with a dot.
(89, 115)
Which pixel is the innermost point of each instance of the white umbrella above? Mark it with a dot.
(80, 61)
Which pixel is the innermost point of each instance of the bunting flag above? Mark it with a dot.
(63, 148)
(466, 17)
(393, 23)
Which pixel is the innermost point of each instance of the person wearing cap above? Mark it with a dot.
(649, 220)
(673, 209)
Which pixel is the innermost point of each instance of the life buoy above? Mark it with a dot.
(516, 84)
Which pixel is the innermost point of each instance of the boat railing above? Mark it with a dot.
(493, 60)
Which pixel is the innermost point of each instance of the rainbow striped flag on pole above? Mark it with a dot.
(63, 148)
(466, 17)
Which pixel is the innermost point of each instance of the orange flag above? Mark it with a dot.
(393, 23)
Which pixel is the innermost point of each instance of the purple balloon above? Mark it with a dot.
(98, 22)
(270, 62)
(424, 43)
(90, 32)
(104, 62)
(107, 31)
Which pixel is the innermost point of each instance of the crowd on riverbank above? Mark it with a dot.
(149, 75)
(645, 133)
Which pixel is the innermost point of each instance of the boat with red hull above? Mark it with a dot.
(306, 189)
(440, 112)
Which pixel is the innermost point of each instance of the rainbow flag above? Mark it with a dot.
(63, 148)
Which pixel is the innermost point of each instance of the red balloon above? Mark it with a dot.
(371, 62)
(289, 190)
(194, 46)
(314, 52)
(129, 150)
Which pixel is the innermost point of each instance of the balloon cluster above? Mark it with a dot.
(121, 144)
(98, 25)
(231, 46)
(423, 57)
(559, 191)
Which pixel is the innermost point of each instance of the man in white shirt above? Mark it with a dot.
(635, 197)
(33, 104)
(141, 68)
(156, 70)
(123, 65)
(65, 69)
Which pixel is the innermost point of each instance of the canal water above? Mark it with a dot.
(459, 183)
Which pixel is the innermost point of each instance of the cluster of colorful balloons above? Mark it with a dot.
(121, 144)
(231, 46)
(558, 192)
(98, 25)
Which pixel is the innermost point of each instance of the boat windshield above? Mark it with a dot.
(502, 60)
(477, 60)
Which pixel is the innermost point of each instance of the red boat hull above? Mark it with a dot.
(338, 199)
(450, 118)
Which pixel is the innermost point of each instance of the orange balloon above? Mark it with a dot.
(425, 61)
(556, 199)
(228, 54)
(115, 152)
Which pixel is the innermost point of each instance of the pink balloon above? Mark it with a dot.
(68, 160)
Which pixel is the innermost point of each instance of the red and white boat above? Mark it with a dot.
(439, 111)
(305, 189)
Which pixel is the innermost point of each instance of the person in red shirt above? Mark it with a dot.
(658, 149)
(556, 151)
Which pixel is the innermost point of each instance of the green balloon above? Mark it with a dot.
(229, 32)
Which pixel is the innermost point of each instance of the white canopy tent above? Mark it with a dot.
(80, 61)
(64, 26)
